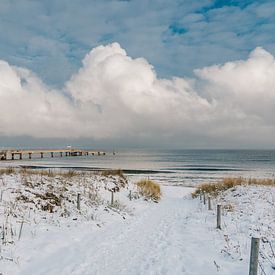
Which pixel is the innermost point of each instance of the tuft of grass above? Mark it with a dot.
(70, 174)
(227, 183)
(116, 172)
(7, 171)
(149, 189)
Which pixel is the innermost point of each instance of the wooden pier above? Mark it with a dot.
(20, 153)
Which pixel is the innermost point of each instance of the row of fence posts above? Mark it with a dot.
(78, 200)
(255, 242)
(112, 199)
(78, 206)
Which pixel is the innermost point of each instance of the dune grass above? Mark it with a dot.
(7, 171)
(64, 173)
(115, 172)
(49, 172)
(217, 187)
(149, 189)
(41, 172)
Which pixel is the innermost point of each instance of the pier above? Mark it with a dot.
(25, 153)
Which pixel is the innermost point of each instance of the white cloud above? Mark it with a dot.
(247, 85)
(115, 96)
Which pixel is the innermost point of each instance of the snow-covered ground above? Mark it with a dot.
(176, 236)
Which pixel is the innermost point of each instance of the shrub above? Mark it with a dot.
(149, 189)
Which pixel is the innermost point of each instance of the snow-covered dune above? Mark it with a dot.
(178, 235)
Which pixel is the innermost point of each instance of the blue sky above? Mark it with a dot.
(52, 37)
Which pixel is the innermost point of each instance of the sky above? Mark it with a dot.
(173, 74)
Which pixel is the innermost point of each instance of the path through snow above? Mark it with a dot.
(159, 240)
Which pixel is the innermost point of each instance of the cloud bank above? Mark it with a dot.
(114, 96)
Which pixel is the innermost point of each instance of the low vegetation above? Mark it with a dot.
(116, 172)
(7, 171)
(49, 172)
(41, 172)
(63, 173)
(217, 187)
(149, 189)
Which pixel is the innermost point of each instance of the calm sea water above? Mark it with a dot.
(187, 167)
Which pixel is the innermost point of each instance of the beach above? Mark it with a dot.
(46, 231)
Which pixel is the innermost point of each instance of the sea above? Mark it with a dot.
(170, 167)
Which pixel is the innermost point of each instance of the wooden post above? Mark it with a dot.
(20, 231)
(204, 198)
(112, 197)
(200, 195)
(254, 254)
(20, 156)
(30, 155)
(41, 155)
(219, 215)
(78, 201)
(61, 155)
(12, 156)
(209, 203)
(130, 195)
(52, 154)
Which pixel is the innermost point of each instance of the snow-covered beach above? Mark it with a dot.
(178, 235)
(137, 137)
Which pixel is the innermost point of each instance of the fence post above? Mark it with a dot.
(78, 201)
(130, 195)
(219, 214)
(112, 197)
(200, 195)
(204, 198)
(209, 203)
(20, 231)
(254, 254)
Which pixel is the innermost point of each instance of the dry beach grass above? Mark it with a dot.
(149, 189)
(216, 188)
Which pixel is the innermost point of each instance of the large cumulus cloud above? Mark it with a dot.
(115, 96)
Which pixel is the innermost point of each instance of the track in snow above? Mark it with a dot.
(156, 241)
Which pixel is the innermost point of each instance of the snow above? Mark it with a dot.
(176, 236)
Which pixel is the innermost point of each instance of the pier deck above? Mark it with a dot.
(13, 154)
